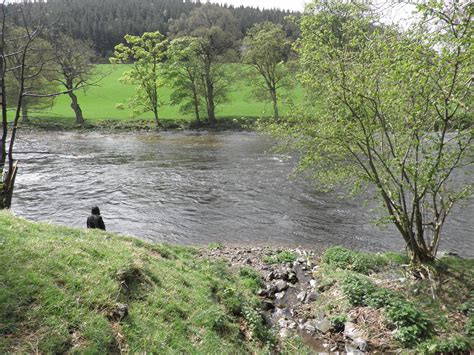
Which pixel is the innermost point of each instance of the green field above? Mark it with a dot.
(99, 102)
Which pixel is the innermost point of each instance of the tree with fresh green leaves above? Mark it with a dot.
(183, 73)
(73, 67)
(37, 74)
(266, 48)
(391, 109)
(145, 54)
(218, 33)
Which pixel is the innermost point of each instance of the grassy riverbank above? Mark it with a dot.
(99, 102)
(64, 289)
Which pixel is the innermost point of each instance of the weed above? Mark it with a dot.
(346, 259)
(284, 256)
(454, 345)
(357, 288)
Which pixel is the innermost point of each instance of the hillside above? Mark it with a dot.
(64, 289)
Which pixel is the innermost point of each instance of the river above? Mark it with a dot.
(197, 188)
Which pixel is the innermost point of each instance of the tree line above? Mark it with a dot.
(105, 22)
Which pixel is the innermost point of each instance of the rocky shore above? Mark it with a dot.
(289, 289)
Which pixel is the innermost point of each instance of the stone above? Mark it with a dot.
(311, 297)
(271, 291)
(301, 296)
(360, 343)
(284, 332)
(323, 325)
(312, 283)
(310, 327)
(279, 295)
(351, 331)
(281, 285)
(292, 277)
(270, 276)
(267, 305)
(262, 292)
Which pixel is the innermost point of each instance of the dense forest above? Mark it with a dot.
(105, 22)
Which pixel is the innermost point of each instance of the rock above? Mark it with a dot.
(120, 312)
(301, 260)
(262, 292)
(284, 332)
(310, 327)
(279, 295)
(281, 285)
(312, 283)
(301, 296)
(323, 325)
(292, 277)
(267, 305)
(248, 261)
(311, 297)
(270, 276)
(271, 291)
(351, 331)
(360, 343)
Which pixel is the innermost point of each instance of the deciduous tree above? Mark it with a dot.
(266, 49)
(145, 54)
(218, 32)
(393, 109)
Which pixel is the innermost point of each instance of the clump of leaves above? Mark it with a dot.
(413, 325)
(284, 256)
(346, 259)
(357, 288)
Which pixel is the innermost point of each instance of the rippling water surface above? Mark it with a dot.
(196, 188)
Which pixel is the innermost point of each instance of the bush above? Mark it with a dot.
(381, 298)
(346, 259)
(455, 345)
(470, 327)
(413, 325)
(357, 288)
(284, 256)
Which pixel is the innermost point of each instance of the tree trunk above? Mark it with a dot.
(77, 109)
(196, 104)
(6, 189)
(24, 112)
(210, 96)
(275, 106)
(157, 119)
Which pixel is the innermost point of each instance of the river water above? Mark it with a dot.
(197, 188)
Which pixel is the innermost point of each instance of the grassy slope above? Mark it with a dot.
(61, 290)
(98, 102)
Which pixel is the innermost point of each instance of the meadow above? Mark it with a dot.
(99, 102)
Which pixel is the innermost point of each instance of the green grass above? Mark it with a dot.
(99, 102)
(61, 290)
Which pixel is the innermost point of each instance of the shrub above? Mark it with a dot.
(454, 345)
(284, 256)
(381, 298)
(413, 325)
(470, 327)
(357, 288)
(346, 259)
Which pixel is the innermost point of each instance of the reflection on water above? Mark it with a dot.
(195, 188)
